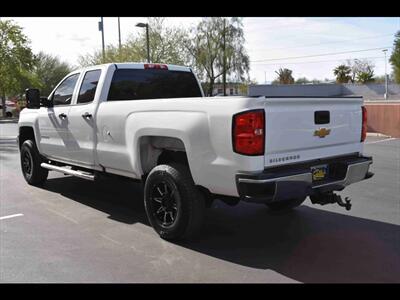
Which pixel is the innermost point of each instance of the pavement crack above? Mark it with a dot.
(110, 239)
(63, 216)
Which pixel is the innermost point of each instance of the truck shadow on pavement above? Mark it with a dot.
(121, 199)
(307, 244)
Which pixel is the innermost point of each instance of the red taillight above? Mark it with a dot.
(249, 132)
(155, 66)
(364, 124)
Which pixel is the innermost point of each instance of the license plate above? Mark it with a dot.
(319, 172)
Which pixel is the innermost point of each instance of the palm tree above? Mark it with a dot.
(285, 76)
(342, 73)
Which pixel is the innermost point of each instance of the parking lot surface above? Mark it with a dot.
(72, 230)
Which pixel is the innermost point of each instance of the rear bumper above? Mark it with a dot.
(295, 181)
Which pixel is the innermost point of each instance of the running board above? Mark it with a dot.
(80, 174)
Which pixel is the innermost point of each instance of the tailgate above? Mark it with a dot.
(306, 128)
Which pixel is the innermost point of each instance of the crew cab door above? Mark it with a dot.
(54, 136)
(82, 125)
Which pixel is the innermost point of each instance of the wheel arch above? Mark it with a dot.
(25, 133)
(186, 134)
(155, 150)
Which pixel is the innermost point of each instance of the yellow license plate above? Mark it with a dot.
(319, 172)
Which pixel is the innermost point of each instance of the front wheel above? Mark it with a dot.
(33, 173)
(174, 205)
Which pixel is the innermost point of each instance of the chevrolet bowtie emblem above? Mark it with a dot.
(322, 132)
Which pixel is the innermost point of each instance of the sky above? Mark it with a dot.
(306, 45)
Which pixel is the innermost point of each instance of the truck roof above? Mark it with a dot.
(136, 65)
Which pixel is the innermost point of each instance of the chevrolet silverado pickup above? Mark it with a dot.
(151, 122)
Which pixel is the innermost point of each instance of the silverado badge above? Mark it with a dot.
(322, 132)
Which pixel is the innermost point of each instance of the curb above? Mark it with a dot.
(4, 121)
(377, 134)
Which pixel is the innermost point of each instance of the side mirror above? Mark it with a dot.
(32, 98)
(46, 102)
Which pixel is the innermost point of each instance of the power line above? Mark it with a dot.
(332, 42)
(319, 61)
(298, 24)
(324, 54)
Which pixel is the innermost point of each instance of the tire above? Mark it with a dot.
(9, 114)
(286, 205)
(33, 173)
(173, 204)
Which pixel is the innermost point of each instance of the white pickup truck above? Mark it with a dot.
(151, 122)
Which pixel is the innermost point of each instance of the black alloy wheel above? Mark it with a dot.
(173, 203)
(31, 159)
(165, 202)
(27, 163)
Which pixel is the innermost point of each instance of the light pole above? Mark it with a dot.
(101, 28)
(224, 62)
(147, 38)
(119, 35)
(386, 77)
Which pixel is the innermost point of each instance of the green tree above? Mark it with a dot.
(208, 51)
(244, 86)
(166, 46)
(342, 73)
(302, 80)
(362, 71)
(395, 58)
(16, 59)
(112, 54)
(165, 43)
(49, 70)
(366, 75)
(284, 76)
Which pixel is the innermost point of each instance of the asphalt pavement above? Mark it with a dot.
(72, 230)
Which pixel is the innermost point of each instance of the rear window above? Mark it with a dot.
(136, 84)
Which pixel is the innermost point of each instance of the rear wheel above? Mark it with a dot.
(9, 114)
(33, 173)
(174, 205)
(286, 205)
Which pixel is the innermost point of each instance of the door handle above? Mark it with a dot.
(86, 115)
(62, 116)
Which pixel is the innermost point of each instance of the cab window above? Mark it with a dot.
(88, 87)
(63, 94)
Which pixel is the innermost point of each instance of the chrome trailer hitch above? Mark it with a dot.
(329, 198)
